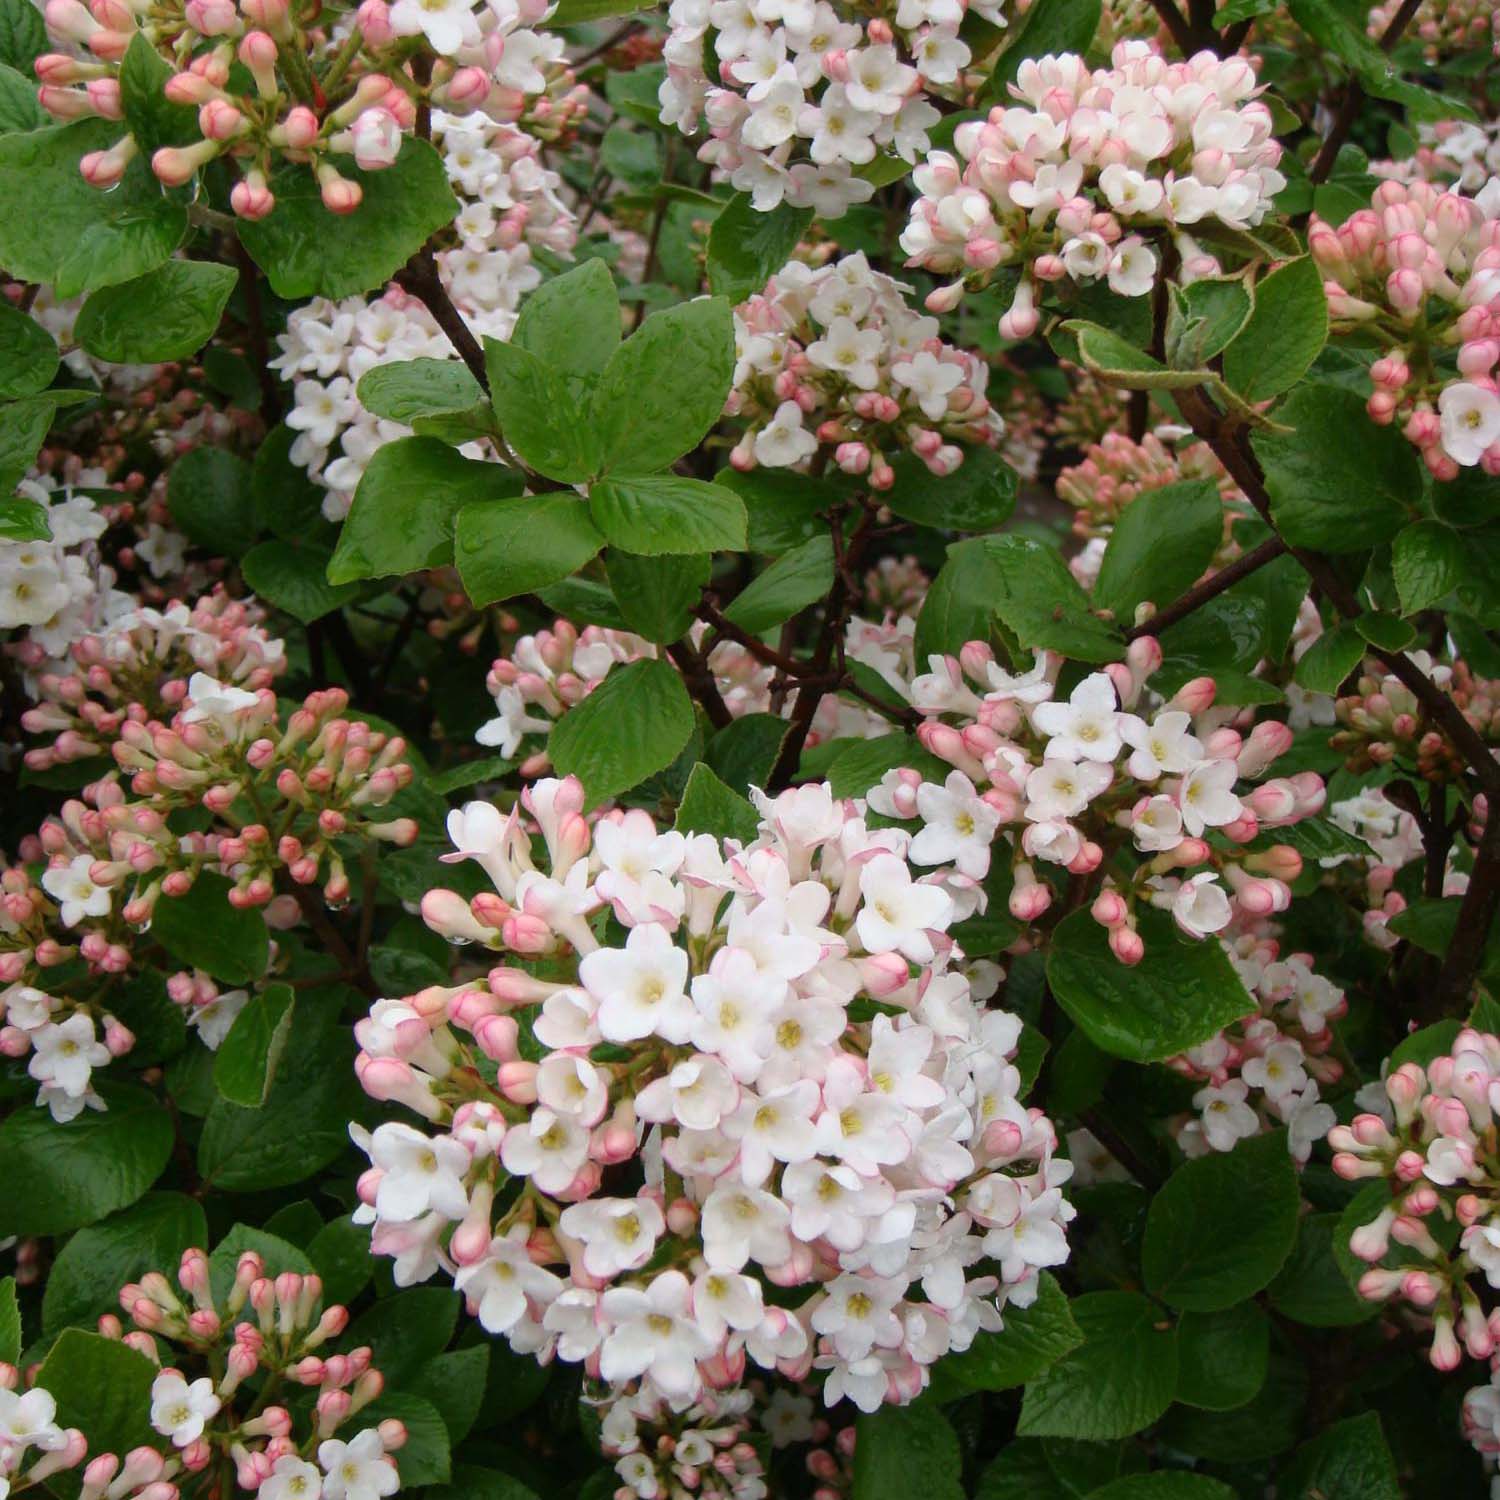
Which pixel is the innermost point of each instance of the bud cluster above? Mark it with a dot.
(1419, 271)
(34, 1447)
(1070, 182)
(833, 364)
(228, 1353)
(697, 1065)
(1445, 28)
(703, 1450)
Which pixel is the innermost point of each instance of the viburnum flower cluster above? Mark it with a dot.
(316, 98)
(285, 799)
(1444, 27)
(832, 363)
(228, 1355)
(1268, 1069)
(699, 1064)
(33, 1447)
(1151, 798)
(1382, 720)
(1432, 1147)
(803, 95)
(1076, 180)
(545, 674)
(1419, 271)
(705, 1449)
(1461, 153)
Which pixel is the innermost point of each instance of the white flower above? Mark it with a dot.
(847, 351)
(76, 895)
(1087, 726)
(1206, 797)
(418, 1174)
(162, 550)
(1278, 1070)
(930, 380)
(1157, 825)
(772, 1127)
(654, 1334)
(292, 1478)
(641, 989)
(617, 1234)
(697, 1093)
(549, 1148)
(774, 117)
(377, 139)
(358, 1469)
(1062, 788)
(839, 131)
(65, 1054)
(207, 698)
(180, 1411)
(1470, 421)
(1132, 267)
(28, 1419)
(858, 1313)
(1200, 906)
(1166, 744)
(498, 1285)
(897, 914)
(449, 25)
(723, 1300)
(212, 1021)
(783, 441)
(958, 826)
(1227, 1118)
(878, 79)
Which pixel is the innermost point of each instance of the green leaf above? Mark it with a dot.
(1021, 1472)
(978, 496)
(1031, 1340)
(658, 595)
(1347, 1461)
(210, 496)
(454, 1383)
(1388, 632)
(340, 1253)
(406, 1330)
(286, 500)
(1119, 1380)
(572, 325)
(1427, 561)
(512, 547)
(1207, 315)
(661, 513)
(425, 1456)
(1285, 334)
(665, 386)
(101, 1386)
(1180, 994)
(576, 12)
(1050, 26)
(86, 1277)
(308, 252)
(467, 773)
(1338, 483)
(10, 1323)
(414, 388)
(23, 37)
(959, 606)
(1325, 664)
(795, 580)
(631, 726)
(295, 579)
(1161, 544)
(708, 806)
(550, 431)
(302, 1125)
(203, 931)
(59, 1176)
(1223, 1225)
(246, 1062)
(742, 753)
(28, 355)
(746, 248)
(1164, 1484)
(473, 1483)
(277, 1255)
(1311, 1287)
(860, 767)
(58, 229)
(152, 118)
(783, 508)
(632, 156)
(900, 1451)
(1118, 362)
(1222, 1356)
(24, 426)
(1041, 602)
(404, 510)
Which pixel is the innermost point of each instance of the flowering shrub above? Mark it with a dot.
(747, 750)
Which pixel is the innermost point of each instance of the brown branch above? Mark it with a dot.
(1475, 919)
(767, 656)
(1210, 588)
(700, 682)
(1354, 96)
(908, 718)
(1176, 23)
(260, 344)
(419, 276)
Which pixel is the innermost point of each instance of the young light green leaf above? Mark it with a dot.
(630, 727)
(1285, 334)
(661, 513)
(545, 426)
(572, 325)
(509, 547)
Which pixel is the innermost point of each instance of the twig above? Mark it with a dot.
(907, 717)
(767, 656)
(1475, 917)
(1176, 23)
(624, 34)
(1348, 113)
(700, 682)
(1199, 595)
(419, 276)
(260, 344)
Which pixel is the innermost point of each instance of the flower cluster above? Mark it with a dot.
(1265, 1071)
(1081, 784)
(1432, 1147)
(703, 1450)
(833, 363)
(545, 674)
(108, 861)
(33, 1447)
(307, 98)
(1382, 720)
(228, 1354)
(1444, 27)
(1070, 182)
(1419, 271)
(1462, 153)
(807, 93)
(704, 1065)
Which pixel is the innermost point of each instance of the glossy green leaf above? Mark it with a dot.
(1285, 333)
(978, 496)
(572, 325)
(796, 579)
(1348, 1461)
(747, 247)
(900, 1451)
(246, 1062)
(1427, 562)
(658, 595)
(28, 354)
(210, 495)
(1041, 602)
(509, 547)
(1160, 546)
(103, 1386)
(545, 427)
(201, 930)
(662, 513)
(415, 388)
(1031, 1340)
(295, 579)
